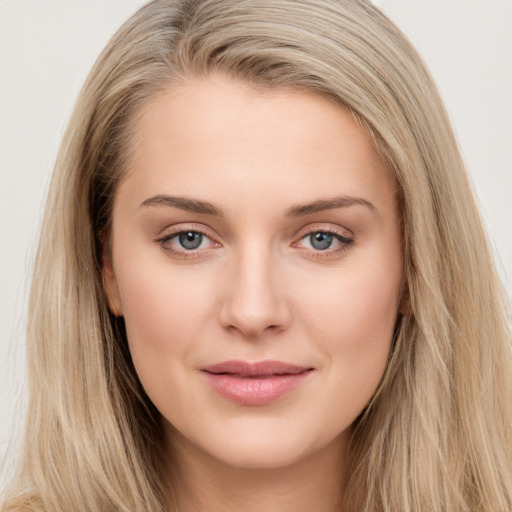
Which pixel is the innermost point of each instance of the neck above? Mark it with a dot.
(202, 483)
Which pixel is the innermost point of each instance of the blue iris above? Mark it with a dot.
(190, 239)
(320, 240)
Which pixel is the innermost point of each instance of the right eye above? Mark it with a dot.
(186, 243)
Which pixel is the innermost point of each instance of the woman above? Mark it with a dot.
(265, 282)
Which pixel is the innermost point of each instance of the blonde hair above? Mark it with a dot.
(437, 434)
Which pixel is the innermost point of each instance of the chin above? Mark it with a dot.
(260, 454)
(265, 446)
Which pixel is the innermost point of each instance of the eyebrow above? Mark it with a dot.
(206, 208)
(183, 203)
(328, 204)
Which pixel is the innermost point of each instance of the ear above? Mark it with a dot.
(110, 284)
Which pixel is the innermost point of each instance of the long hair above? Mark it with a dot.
(437, 434)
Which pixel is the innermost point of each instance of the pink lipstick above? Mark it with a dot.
(257, 383)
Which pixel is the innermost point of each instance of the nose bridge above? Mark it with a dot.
(254, 301)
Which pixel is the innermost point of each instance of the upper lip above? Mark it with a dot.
(252, 369)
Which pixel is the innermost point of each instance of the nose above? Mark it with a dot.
(254, 301)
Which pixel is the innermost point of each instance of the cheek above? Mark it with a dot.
(165, 312)
(353, 326)
(161, 298)
(355, 306)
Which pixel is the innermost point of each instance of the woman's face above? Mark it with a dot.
(256, 259)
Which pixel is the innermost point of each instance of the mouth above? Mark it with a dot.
(258, 383)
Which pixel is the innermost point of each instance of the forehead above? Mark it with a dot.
(216, 135)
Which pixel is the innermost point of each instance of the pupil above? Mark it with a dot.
(190, 239)
(321, 241)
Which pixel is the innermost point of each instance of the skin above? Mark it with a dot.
(256, 288)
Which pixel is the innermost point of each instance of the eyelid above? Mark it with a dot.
(336, 230)
(169, 231)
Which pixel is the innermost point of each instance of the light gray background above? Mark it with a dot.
(48, 46)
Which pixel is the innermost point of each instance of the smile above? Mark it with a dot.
(255, 383)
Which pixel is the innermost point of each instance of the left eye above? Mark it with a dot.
(323, 240)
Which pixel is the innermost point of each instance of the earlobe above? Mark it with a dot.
(112, 307)
(110, 286)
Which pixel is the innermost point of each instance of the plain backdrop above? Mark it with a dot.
(48, 46)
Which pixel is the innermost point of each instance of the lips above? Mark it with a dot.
(256, 383)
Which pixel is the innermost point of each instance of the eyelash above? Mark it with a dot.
(344, 240)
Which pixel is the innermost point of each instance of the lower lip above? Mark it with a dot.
(255, 391)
